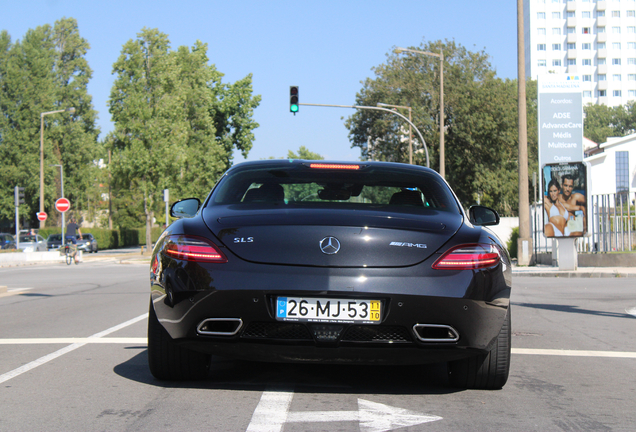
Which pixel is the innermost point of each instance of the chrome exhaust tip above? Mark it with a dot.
(435, 333)
(220, 326)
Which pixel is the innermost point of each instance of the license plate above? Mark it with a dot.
(328, 310)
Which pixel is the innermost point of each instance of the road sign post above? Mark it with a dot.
(41, 216)
(62, 205)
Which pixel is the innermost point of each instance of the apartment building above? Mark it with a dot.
(595, 39)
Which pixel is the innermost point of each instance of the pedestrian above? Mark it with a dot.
(73, 231)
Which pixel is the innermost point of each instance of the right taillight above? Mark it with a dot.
(193, 248)
(469, 256)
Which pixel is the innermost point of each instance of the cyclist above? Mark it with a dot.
(72, 231)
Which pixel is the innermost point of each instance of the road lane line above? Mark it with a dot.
(47, 358)
(574, 353)
(71, 340)
(271, 412)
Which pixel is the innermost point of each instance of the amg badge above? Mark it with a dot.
(410, 245)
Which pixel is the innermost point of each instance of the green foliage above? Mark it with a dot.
(602, 121)
(176, 123)
(46, 71)
(304, 153)
(481, 139)
(512, 242)
(111, 239)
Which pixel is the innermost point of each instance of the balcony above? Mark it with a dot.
(572, 69)
(601, 37)
(571, 22)
(602, 53)
(571, 6)
(571, 37)
(601, 5)
(572, 53)
(601, 21)
(601, 69)
(602, 85)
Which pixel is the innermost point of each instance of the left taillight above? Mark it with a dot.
(469, 256)
(193, 248)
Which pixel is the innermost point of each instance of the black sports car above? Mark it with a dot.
(336, 262)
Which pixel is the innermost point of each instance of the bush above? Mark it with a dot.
(512, 243)
(112, 239)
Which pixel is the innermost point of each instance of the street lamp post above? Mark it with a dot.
(410, 130)
(69, 110)
(442, 160)
(62, 183)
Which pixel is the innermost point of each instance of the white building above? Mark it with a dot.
(614, 170)
(595, 39)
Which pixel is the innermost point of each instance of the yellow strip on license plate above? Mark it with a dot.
(328, 310)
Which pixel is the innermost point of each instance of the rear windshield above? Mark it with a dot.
(28, 238)
(370, 186)
(55, 237)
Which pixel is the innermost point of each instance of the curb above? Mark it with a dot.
(570, 274)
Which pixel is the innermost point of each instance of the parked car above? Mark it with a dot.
(87, 244)
(331, 262)
(7, 241)
(32, 243)
(54, 241)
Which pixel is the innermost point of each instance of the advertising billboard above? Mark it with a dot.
(564, 200)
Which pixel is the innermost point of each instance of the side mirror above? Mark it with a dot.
(185, 208)
(480, 215)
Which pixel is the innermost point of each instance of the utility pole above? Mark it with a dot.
(524, 244)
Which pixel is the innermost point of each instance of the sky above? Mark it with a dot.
(327, 48)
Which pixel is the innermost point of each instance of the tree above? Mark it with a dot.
(304, 153)
(480, 120)
(45, 71)
(176, 124)
(602, 121)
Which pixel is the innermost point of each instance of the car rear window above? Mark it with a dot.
(380, 186)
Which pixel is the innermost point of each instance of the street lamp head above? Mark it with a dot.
(398, 50)
(70, 110)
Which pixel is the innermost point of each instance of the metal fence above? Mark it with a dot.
(611, 226)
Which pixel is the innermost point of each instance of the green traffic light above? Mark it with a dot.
(293, 108)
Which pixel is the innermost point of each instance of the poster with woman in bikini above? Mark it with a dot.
(564, 200)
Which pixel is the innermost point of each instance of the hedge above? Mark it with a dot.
(112, 239)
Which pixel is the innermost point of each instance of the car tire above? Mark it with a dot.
(487, 371)
(167, 360)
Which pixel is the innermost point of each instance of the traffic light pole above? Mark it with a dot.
(378, 109)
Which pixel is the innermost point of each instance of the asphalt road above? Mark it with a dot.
(573, 367)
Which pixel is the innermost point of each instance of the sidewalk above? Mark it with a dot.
(581, 272)
(130, 255)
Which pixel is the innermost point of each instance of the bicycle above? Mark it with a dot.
(70, 253)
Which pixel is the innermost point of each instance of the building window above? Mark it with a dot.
(571, 30)
(586, 46)
(571, 62)
(616, 77)
(602, 93)
(586, 62)
(600, 30)
(631, 13)
(541, 31)
(600, 14)
(541, 47)
(631, 29)
(631, 45)
(631, 77)
(616, 14)
(616, 61)
(587, 77)
(556, 15)
(631, 61)
(587, 93)
(586, 14)
(616, 30)
(602, 77)
(632, 93)
(556, 62)
(600, 45)
(616, 93)
(586, 30)
(600, 61)
(571, 46)
(622, 173)
(556, 47)
(556, 31)
(540, 15)
(541, 63)
(616, 45)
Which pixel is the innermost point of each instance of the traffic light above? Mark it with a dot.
(293, 99)
(19, 195)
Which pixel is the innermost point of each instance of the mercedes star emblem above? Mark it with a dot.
(329, 245)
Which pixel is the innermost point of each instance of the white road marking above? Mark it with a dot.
(19, 289)
(71, 340)
(574, 353)
(631, 311)
(47, 358)
(272, 413)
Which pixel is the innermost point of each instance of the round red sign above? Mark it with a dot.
(41, 216)
(62, 205)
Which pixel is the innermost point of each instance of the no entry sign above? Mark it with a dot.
(41, 216)
(62, 205)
